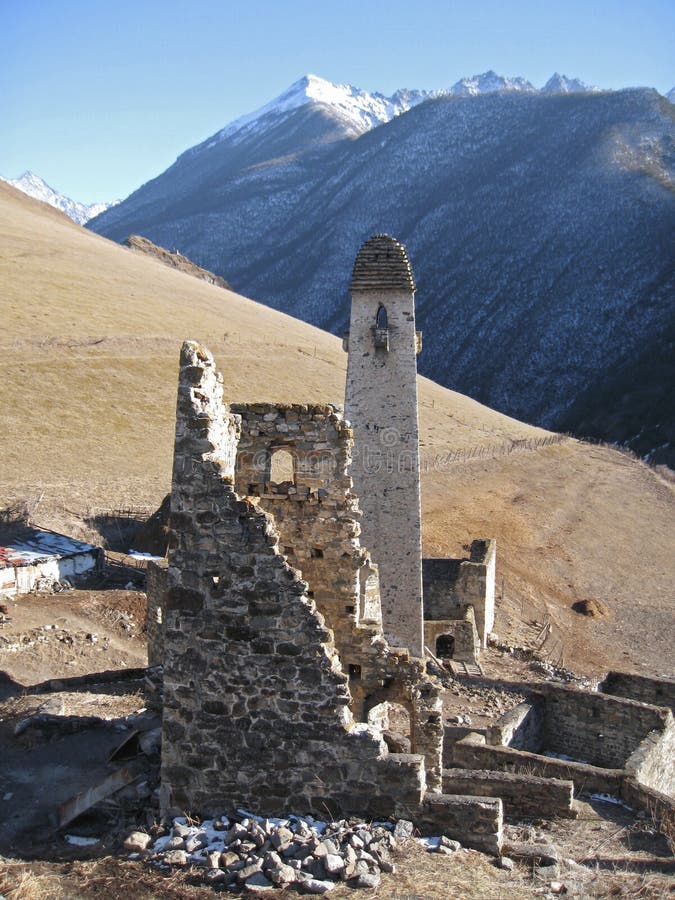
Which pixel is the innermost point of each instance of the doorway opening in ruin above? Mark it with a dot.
(282, 467)
(445, 646)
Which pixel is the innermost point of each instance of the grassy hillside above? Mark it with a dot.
(90, 340)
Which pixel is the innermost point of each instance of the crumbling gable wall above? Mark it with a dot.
(257, 707)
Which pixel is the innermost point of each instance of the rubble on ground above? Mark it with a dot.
(259, 855)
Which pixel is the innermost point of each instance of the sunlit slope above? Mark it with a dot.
(90, 340)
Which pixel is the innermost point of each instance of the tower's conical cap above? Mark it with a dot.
(382, 264)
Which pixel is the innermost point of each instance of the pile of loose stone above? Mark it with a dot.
(259, 855)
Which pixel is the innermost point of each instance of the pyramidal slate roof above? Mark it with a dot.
(382, 264)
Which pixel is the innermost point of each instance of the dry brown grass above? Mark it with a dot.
(90, 341)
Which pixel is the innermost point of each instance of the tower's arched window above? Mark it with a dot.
(381, 330)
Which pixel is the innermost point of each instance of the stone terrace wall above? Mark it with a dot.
(318, 519)
(656, 691)
(596, 728)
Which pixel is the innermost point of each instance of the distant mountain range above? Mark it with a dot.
(37, 187)
(539, 223)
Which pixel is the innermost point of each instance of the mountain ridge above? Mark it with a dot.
(35, 186)
(538, 224)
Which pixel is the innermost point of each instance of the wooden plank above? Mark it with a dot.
(83, 801)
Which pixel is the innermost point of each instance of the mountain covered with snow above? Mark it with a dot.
(37, 187)
(539, 225)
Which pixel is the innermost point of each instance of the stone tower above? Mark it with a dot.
(381, 405)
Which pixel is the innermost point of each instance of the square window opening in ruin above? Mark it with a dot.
(317, 553)
(354, 672)
(350, 610)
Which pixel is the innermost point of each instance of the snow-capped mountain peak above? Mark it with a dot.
(561, 84)
(37, 187)
(358, 110)
(490, 83)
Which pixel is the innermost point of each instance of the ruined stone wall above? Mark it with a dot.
(596, 728)
(318, 519)
(257, 708)
(523, 796)
(156, 582)
(381, 406)
(473, 753)
(656, 691)
(462, 630)
(256, 704)
(521, 728)
(653, 762)
(452, 584)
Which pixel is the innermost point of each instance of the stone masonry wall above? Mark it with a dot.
(523, 796)
(257, 705)
(656, 691)
(521, 728)
(452, 584)
(318, 519)
(381, 406)
(473, 753)
(597, 728)
(463, 632)
(653, 763)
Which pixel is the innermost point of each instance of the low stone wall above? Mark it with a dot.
(476, 822)
(473, 753)
(523, 796)
(596, 728)
(653, 763)
(658, 805)
(656, 691)
(521, 728)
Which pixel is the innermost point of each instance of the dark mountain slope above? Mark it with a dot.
(540, 229)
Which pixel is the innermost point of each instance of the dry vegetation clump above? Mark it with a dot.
(594, 609)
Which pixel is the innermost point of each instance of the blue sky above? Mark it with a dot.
(97, 97)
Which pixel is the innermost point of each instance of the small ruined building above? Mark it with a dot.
(295, 612)
(32, 557)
